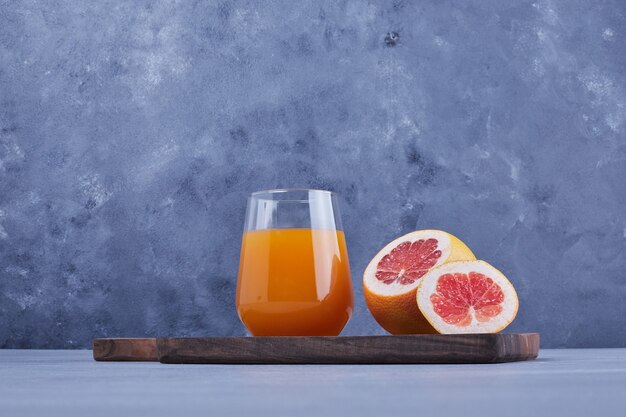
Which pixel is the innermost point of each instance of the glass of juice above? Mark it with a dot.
(294, 274)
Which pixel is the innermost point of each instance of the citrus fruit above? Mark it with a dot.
(467, 297)
(391, 279)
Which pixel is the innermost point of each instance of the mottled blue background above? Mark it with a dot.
(132, 132)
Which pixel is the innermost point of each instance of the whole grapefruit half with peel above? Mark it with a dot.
(467, 297)
(391, 279)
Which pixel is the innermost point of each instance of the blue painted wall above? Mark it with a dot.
(132, 132)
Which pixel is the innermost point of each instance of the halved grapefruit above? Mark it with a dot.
(391, 279)
(467, 297)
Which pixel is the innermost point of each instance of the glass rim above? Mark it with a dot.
(273, 191)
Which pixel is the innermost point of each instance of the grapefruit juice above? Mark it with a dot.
(294, 282)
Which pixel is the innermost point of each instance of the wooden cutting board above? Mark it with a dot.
(409, 349)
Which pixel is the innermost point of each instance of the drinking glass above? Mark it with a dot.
(294, 274)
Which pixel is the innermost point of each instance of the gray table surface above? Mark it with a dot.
(576, 382)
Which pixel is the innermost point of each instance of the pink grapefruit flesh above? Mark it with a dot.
(457, 293)
(408, 262)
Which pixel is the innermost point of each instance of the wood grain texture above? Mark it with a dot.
(125, 349)
(410, 349)
(517, 347)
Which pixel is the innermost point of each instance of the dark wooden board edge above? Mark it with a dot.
(517, 347)
(410, 349)
(125, 349)
(474, 348)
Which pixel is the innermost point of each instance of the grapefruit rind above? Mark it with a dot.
(428, 287)
(393, 305)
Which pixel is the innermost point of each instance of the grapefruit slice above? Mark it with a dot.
(391, 279)
(467, 297)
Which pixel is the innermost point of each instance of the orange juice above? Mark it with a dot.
(294, 282)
